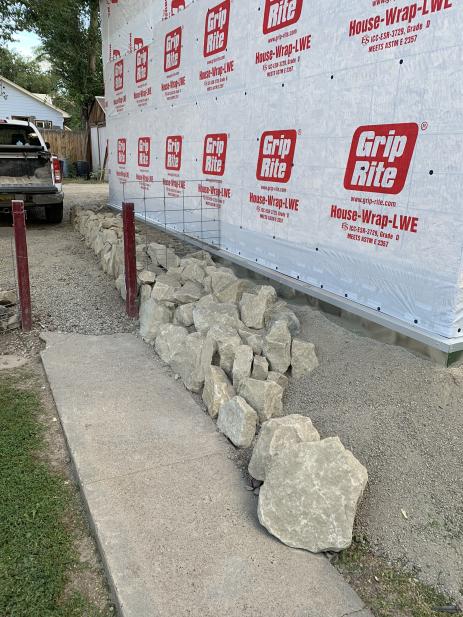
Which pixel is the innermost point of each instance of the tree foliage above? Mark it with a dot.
(28, 74)
(70, 35)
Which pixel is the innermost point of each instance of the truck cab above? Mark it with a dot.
(28, 170)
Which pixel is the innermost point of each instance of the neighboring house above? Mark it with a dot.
(98, 134)
(20, 104)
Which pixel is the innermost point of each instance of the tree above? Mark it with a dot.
(70, 34)
(28, 74)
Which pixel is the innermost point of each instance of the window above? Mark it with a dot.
(43, 124)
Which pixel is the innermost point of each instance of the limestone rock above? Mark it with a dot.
(147, 277)
(264, 396)
(164, 292)
(277, 347)
(254, 306)
(260, 368)
(168, 341)
(192, 271)
(8, 296)
(189, 292)
(281, 312)
(278, 378)
(242, 364)
(152, 316)
(310, 495)
(237, 420)
(184, 315)
(233, 292)
(253, 338)
(221, 278)
(303, 358)
(190, 360)
(162, 255)
(207, 315)
(202, 256)
(227, 342)
(145, 293)
(120, 286)
(217, 390)
(276, 435)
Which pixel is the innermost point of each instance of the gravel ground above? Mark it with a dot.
(69, 291)
(400, 414)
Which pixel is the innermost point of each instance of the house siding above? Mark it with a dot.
(18, 103)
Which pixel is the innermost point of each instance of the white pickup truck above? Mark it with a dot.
(28, 170)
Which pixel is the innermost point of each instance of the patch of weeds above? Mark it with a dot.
(36, 546)
(385, 590)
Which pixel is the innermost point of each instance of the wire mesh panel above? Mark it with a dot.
(9, 301)
(176, 207)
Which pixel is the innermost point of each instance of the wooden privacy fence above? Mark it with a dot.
(71, 145)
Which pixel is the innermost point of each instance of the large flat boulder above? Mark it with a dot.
(310, 495)
(152, 316)
(254, 306)
(242, 364)
(208, 314)
(190, 359)
(276, 435)
(169, 341)
(277, 347)
(217, 390)
(303, 358)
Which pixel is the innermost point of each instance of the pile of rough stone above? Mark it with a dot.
(236, 342)
(9, 317)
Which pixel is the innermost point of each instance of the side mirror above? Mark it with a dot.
(47, 145)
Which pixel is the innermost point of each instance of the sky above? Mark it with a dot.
(25, 43)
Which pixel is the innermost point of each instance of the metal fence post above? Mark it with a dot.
(130, 259)
(22, 264)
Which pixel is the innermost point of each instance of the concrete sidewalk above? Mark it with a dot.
(177, 530)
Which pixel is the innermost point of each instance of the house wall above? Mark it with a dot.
(13, 102)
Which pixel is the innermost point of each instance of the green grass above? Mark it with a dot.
(36, 544)
(387, 591)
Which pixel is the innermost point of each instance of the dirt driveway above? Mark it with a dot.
(69, 291)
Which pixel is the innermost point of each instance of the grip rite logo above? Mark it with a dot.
(119, 75)
(215, 154)
(173, 50)
(281, 13)
(216, 29)
(122, 151)
(174, 152)
(276, 155)
(144, 151)
(380, 158)
(141, 64)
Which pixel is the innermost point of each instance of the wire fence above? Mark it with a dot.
(9, 300)
(176, 206)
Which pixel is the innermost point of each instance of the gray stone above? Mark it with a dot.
(242, 364)
(189, 292)
(162, 255)
(147, 277)
(233, 293)
(152, 316)
(164, 292)
(264, 396)
(145, 293)
(260, 368)
(120, 286)
(278, 378)
(202, 256)
(277, 347)
(254, 306)
(227, 342)
(7, 296)
(276, 435)
(190, 359)
(193, 271)
(169, 340)
(310, 495)
(221, 278)
(303, 358)
(253, 338)
(184, 315)
(217, 390)
(280, 312)
(237, 420)
(207, 315)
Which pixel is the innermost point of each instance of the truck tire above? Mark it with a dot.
(54, 214)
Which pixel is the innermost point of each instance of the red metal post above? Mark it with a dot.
(22, 264)
(130, 258)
